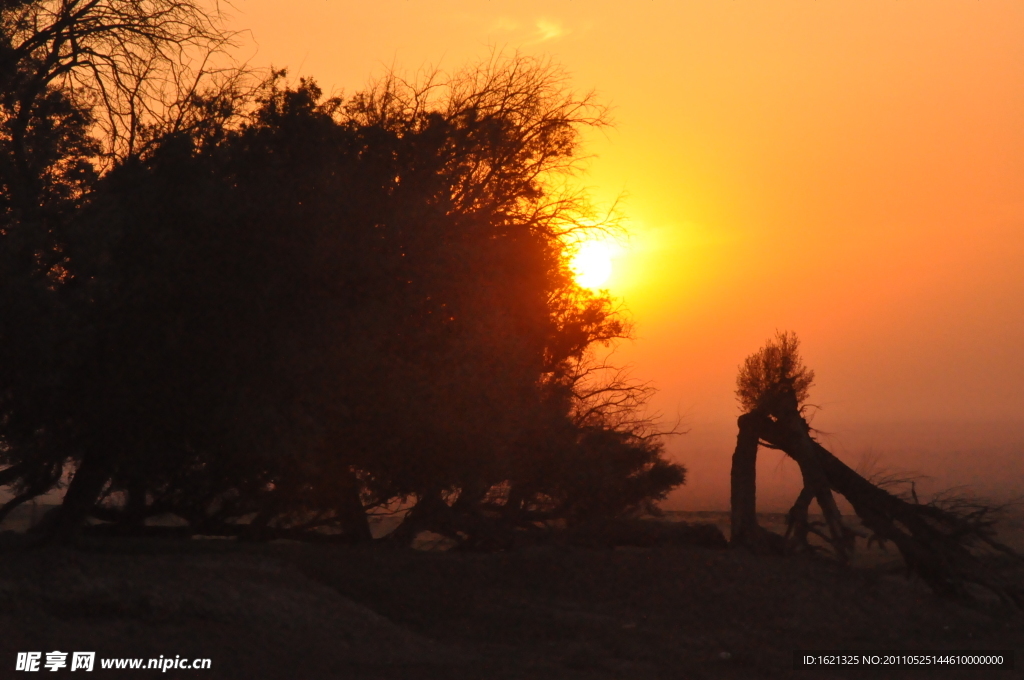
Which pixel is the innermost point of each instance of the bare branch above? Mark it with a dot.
(139, 64)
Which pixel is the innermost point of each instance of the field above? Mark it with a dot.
(297, 612)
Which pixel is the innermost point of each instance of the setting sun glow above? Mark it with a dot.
(592, 264)
(847, 171)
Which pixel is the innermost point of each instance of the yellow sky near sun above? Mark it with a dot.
(850, 171)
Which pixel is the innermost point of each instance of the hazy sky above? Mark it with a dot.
(850, 171)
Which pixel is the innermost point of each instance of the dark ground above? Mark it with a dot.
(301, 612)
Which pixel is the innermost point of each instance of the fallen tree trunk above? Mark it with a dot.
(941, 545)
(944, 544)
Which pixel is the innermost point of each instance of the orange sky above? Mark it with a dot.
(850, 171)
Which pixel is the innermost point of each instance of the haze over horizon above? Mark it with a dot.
(854, 173)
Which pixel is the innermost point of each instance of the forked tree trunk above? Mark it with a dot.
(804, 450)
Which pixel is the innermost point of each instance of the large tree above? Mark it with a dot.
(337, 305)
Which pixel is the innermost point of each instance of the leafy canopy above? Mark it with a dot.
(773, 373)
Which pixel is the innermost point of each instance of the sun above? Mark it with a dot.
(592, 263)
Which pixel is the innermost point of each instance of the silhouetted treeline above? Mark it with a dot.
(269, 312)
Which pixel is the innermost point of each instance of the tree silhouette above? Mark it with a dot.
(321, 307)
(45, 171)
(140, 67)
(943, 542)
(83, 84)
(776, 372)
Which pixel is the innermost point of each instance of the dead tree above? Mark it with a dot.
(944, 544)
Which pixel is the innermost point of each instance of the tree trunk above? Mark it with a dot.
(743, 516)
(11, 474)
(797, 524)
(63, 525)
(429, 510)
(33, 485)
(354, 520)
(804, 450)
(135, 508)
(744, 529)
